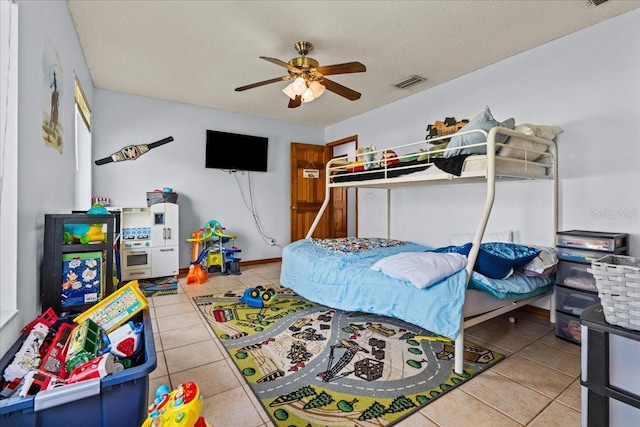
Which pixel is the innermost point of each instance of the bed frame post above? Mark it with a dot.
(388, 214)
(554, 220)
(327, 196)
(458, 357)
(473, 254)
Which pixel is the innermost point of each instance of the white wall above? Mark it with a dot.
(588, 83)
(203, 194)
(45, 176)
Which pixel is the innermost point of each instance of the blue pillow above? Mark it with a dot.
(496, 260)
(484, 121)
(462, 250)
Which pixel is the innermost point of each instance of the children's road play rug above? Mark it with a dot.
(310, 365)
(159, 286)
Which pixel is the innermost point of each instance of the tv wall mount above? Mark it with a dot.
(132, 152)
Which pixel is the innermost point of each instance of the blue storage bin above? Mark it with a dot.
(117, 400)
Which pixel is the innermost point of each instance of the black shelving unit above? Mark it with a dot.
(610, 376)
(56, 252)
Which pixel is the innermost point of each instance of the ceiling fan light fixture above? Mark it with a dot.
(295, 88)
(305, 77)
(316, 88)
(299, 86)
(307, 96)
(289, 91)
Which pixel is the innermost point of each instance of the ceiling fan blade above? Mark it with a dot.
(337, 88)
(293, 103)
(282, 64)
(347, 67)
(262, 83)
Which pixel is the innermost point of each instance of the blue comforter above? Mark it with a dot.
(344, 280)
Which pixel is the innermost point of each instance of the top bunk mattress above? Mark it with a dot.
(516, 156)
(436, 169)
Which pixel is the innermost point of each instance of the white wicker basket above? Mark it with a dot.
(618, 282)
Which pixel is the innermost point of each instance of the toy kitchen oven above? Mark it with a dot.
(135, 253)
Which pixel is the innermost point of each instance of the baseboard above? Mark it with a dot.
(542, 312)
(184, 271)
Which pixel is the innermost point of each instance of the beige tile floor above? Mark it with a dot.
(536, 385)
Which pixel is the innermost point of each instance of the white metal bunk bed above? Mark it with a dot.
(487, 169)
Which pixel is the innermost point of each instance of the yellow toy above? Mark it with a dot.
(117, 308)
(178, 408)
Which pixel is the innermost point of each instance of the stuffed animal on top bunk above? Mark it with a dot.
(389, 157)
(365, 159)
(447, 127)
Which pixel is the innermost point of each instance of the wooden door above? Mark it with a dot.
(307, 189)
(338, 211)
(339, 205)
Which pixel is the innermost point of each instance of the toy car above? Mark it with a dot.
(258, 297)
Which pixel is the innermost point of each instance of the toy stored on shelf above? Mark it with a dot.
(180, 407)
(117, 308)
(86, 233)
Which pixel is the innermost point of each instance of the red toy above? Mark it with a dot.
(389, 157)
(125, 340)
(37, 381)
(54, 360)
(47, 318)
(99, 367)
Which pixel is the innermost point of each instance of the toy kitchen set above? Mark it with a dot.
(149, 241)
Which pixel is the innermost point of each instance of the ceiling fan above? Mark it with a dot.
(309, 81)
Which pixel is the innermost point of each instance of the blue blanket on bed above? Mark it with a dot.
(343, 279)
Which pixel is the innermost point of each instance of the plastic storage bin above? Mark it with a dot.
(117, 400)
(161, 197)
(568, 327)
(575, 275)
(573, 301)
(578, 255)
(592, 240)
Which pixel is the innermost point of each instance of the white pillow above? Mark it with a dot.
(422, 269)
(541, 131)
(461, 239)
(546, 259)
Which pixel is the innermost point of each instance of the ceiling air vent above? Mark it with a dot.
(597, 2)
(413, 80)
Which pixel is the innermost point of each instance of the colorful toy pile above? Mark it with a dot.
(57, 352)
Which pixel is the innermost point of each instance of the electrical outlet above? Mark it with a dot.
(271, 242)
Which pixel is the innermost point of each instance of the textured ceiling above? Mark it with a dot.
(197, 52)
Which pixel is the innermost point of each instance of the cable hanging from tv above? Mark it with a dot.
(252, 208)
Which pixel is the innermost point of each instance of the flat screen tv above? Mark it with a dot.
(236, 152)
